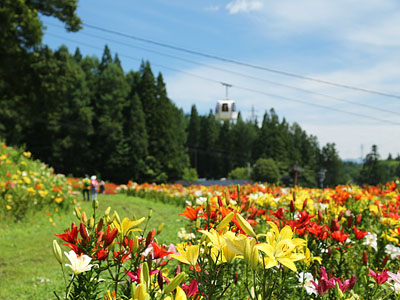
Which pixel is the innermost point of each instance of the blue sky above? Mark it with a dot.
(353, 42)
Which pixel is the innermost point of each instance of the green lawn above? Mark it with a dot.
(28, 269)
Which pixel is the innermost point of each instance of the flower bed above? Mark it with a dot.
(250, 242)
(28, 185)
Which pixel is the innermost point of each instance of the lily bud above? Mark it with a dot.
(247, 252)
(245, 226)
(198, 224)
(329, 252)
(145, 275)
(305, 204)
(227, 196)
(315, 272)
(95, 204)
(149, 260)
(365, 258)
(107, 211)
(320, 218)
(91, 222)
(150, 213)
(358, 220)
(135, 244)
(335, 225)
(133, 290)
(220, 201)
(149, 238)
(160, 280)
(254, 258)
(57, 252)
(208, 209)
(385, 260)
(83, 232)
(140, 293)
(349, 221)
(338, 291)
(100, 225)
(225, 221)
(292, 206)
(235, 278)
(116, 217)
(340, 215)
(78, 212)
(84, 217)
(174, 283)
(160, 228)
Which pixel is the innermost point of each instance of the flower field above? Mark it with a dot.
(28, 185)
(240, 242)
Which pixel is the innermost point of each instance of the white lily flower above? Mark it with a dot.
(371, 240)
(78, 264)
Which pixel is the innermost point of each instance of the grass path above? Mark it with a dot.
(28, 269)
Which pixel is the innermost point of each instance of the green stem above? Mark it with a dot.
(69, 287)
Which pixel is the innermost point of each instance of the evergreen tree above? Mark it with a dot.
(135, 132)
(193, 137)
(208, 156)
(108, 141)
(330, 161)
(373, 171)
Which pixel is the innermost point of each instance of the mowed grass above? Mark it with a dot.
(28, 269)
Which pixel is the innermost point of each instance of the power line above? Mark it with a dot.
(239, 87)
(241, 74)
(271, 70)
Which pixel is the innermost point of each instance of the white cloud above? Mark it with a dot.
(238, 6)
(372, 22)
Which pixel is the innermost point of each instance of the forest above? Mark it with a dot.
(86, 115)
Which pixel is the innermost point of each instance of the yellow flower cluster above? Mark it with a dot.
(26, 184)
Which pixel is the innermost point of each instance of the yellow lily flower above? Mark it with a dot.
(280, 247)
(127, 225)
(229, 255)
(308, 258)
(215, 238)
(237, 243)
(188, 256)
(180, 295)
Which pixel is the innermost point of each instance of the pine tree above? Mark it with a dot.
(193, 137)
(110, 100)
(330, 161)
(373, 171)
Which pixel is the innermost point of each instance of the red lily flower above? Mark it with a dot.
(340, 236)
(359, 233)
(159, 252)
(191, 212)
(69, 235)
(380, 277)
(102, 254)
(110, 236)
(191, 289)
(84, 233)
(278, 214)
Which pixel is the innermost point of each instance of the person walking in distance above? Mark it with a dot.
(86, 188)
(94, 184)
(102, 187)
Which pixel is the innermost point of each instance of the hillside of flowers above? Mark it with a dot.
(241, 242)
(29, 185)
